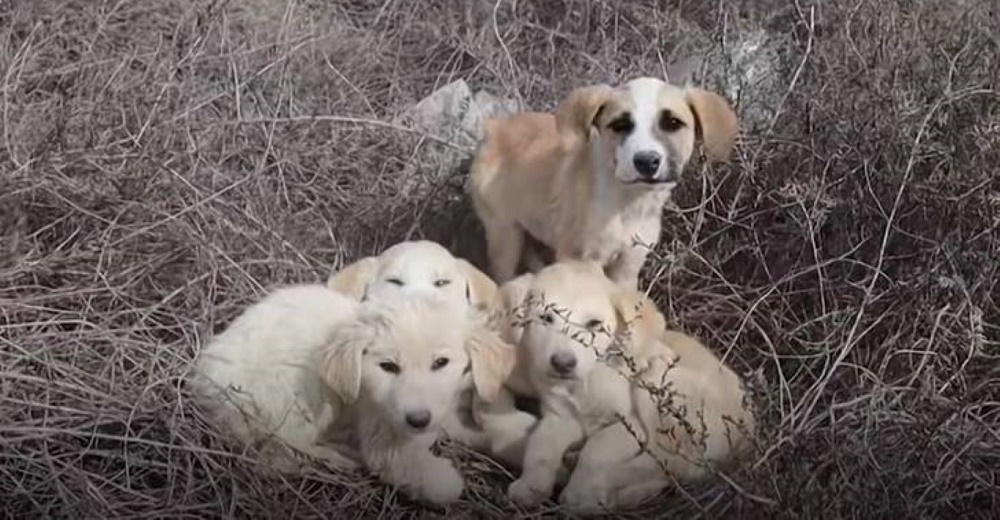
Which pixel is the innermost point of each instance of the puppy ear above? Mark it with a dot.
(353, 279)
(340, 363)
(511, 300)
(576, 114)
(481, 289)
(638, 315)
(492, 361)
(716, 123)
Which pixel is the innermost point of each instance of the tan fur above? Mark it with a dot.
(544, 175)
(352, 279)
(609, 473)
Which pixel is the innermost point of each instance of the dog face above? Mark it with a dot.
(646, 129)
(571, 314)
(416, 267)
(407, 360)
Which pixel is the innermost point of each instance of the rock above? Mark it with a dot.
(747, 70)
(454, 114)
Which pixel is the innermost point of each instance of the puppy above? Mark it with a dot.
(591, 350)
(694, 417)
(495, 427)
(312, 371)
(590, 181)
(419, 266)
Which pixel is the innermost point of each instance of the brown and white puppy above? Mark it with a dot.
(591, 180)
(595, 354)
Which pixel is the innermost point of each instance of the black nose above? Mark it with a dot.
(646, 163)
(563, 362)
(419, 419)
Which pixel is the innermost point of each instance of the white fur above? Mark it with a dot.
(644, 94)
(312, 370)
(257, 377)
(417, 268)
(420, 267)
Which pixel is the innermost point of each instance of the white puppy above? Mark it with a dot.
(592, 352)
(590, 181)
(422, 267)
(312, 371)
(415, 267)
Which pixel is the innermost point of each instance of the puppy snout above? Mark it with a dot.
(418, 419)
(563, 362)
(646, 163)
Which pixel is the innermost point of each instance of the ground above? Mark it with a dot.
(164, 162)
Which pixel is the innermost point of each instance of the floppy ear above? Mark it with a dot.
(353, 279)
(480, 289)
(492, 361)
(717, 123)
(576, 114)
(638, 315)
(512, 296)
(340, 364)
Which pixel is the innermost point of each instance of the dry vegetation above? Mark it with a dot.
(164, 161)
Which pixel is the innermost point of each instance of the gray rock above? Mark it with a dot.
(454, 114)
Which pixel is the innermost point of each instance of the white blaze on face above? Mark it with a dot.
(642, 154)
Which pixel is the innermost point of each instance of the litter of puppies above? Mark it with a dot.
(400, 348)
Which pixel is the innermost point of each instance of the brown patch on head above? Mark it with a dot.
(578, 112)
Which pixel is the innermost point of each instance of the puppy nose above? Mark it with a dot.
(563, 362)
(646, 163)
(419, 419)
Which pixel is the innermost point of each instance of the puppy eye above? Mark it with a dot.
(669, 123)
(439, 363)
(547, 318)
(622, 125)
(593, 324)
(395, 281)
(389, 366)
(441, 283)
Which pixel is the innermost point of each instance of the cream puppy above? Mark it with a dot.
(495, 427)
(597, 355)
(413, 267)
(591, 180)
(695, 420)
(312, 371)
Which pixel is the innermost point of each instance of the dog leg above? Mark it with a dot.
(508, 430)
(636, 481)
(330, 457)
(456, 430)
(504, 244)
(626, 269)
(543, 458)
(589, 489)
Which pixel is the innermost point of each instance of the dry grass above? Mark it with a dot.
(164, 161)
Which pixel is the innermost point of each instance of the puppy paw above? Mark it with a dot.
(442, 483)
(585, 500)
(524, 494)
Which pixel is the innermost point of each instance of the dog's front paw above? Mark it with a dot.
(523, 493)
(585, 500)
(442, 483)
